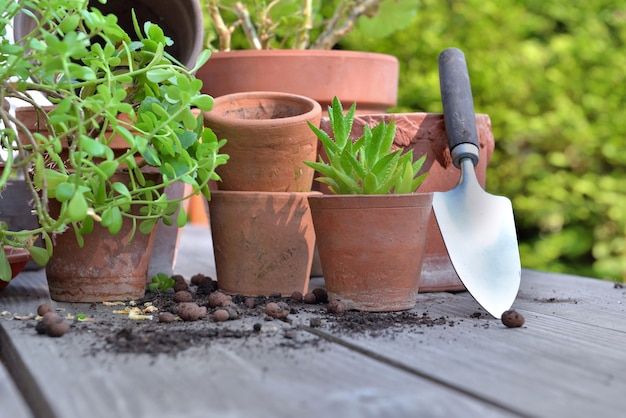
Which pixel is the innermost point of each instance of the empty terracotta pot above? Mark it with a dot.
(425, 133)
(371, 247)
(268, 140)
(263, 241)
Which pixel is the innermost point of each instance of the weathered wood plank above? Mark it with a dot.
(260, 376)
(253, 377)
(13, 405)
(567, 360)
(551, 367)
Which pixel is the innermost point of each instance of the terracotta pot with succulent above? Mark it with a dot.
(104, 88)
(371, 234)
(288, 46)
(425, 133)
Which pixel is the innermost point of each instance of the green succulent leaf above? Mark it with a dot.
(366, 165)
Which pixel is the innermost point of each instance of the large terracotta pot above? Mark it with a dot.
(181, 20)
(371, 247)
(107, 268)
(425, 133)
(263, 241)
(370, 79)
(268, 140)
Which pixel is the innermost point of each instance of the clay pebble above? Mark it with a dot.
(512, 319)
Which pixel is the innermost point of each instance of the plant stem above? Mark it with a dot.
(223, 32)
(336, 28)
(246, 25)
(302, 33)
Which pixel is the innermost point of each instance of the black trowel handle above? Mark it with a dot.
(458, 106)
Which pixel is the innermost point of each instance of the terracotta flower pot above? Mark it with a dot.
(18, 257)
(371, 247)
(180, 20)
(425, 133)
(166, 238)
(268, 140)
(370, 79)
(107, 268)
(263, 241)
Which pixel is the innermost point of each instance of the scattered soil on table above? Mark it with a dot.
(248, 318)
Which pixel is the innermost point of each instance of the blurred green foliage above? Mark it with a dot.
(552, 77)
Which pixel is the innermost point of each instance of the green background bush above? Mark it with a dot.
(552, 77)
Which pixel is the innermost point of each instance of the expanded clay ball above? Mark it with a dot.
(512, 319)
(297, 296)
(167, 317)
(321, 295)
(275, 310)
(336, 306)
(52, 325)
(309, 298)
(217, 299)
(189, 311)
(180, 286)
(58, 328)
(221, 315)
(43, 309)
(183, 296)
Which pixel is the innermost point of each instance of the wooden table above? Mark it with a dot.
(567, 361)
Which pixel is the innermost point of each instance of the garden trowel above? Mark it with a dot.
(478, 228)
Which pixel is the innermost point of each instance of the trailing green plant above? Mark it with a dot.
(103, 85)
(367, 165)
(300, 24)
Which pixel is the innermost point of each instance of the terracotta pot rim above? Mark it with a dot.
(310, 109)
(271, 53)
(372, 201)
(16, 255)
(250, 193)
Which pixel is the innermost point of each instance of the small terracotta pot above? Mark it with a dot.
(18, 257)
(107, 268)
(425, 133)
(268, 140)
(368, 78)
(263, 241)
(371, 247)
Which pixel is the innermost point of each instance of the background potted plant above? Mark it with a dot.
(105, 89)
(288, 46)
(371, 233)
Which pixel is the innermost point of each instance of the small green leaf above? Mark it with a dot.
(77, 207)
(92, 147)
(158, 75)
(65, 191)
(5, 266)
(146, 226)
(181, 218)
(108, 168)
(39, 255)
(203, 102)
